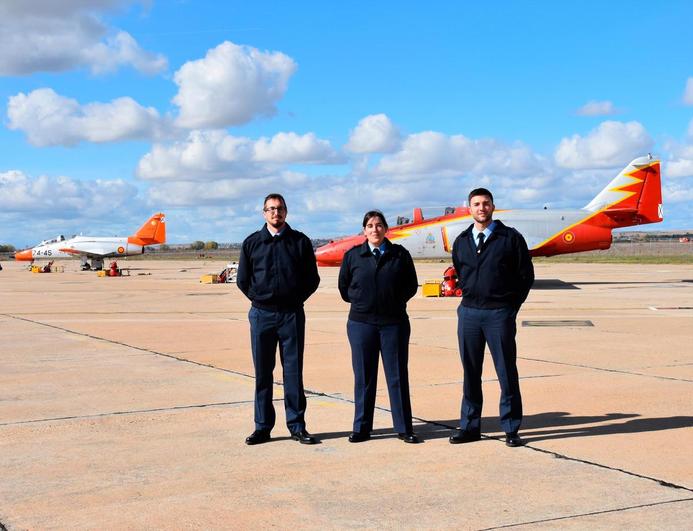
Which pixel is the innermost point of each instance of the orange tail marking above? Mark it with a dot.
(650, 203)
(152, 232)
(644, 204)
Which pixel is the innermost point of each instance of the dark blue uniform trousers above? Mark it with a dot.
(267, 329)
(497, 328)
(367, 340)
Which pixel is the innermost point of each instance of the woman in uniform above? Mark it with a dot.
(378, 278)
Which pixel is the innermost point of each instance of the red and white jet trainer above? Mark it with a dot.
(96, 248)
(633, 197)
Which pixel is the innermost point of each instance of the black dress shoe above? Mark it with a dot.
(409, 437)
(465, 436)
(304, 437)
(258, 437)
(513, 440)
(359, 436)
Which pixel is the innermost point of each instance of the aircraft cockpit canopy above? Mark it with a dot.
(59, 238)
(420, 214)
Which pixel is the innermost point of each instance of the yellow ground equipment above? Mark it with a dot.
(227, 275)
(48, 268)
(430, 288)
(113, 271)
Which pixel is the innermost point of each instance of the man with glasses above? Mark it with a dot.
(277, 272)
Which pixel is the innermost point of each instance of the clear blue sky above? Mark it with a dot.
(117, 109)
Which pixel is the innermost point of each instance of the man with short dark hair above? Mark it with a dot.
(277, 272)
(496, 273)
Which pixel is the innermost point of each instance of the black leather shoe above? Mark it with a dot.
(465, 436)
(513, 440)
(258, 437)
(359, 436)
(409, 437)
(304, 437)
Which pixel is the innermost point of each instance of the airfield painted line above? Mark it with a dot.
(593, 513)
(313, 393)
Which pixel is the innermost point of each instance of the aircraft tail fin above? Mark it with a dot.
(152, 232)
(634, 196)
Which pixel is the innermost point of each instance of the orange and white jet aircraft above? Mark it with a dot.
(96, 248)
(633, 197)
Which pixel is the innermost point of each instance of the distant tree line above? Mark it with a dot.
(199, 245)
(7, 248)
(653, 236)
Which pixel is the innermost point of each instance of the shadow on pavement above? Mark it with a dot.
(552, 283)
(556, 283)
(380, 433)
(564, 425)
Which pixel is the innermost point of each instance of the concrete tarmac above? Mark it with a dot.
(125, 403)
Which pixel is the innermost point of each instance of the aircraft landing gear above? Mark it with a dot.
(96, 264)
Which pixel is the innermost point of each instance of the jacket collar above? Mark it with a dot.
(498, 229)
(267, 235)
(365, 250)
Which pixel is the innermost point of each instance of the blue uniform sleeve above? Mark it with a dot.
(344, 278)
(311, 278)
(244, 273)
(525, 270)
(457, 264)
(410, 283)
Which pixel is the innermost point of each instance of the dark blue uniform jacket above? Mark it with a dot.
(277, 273)
(497, 277)
(378, 291)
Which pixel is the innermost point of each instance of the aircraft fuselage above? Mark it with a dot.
(85, 245)
(633, 197)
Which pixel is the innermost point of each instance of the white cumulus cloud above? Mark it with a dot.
(610, 144)
(434, 154)
(597, 108)
(680, 163)
(121, 49)
(678, 193)
(23, 193)
(679, 167)
(55, 36)
(688, 92)
(291, 147)
(214, 154)
(231, 85)
(222, 191)
(48, 119)
(374, 134)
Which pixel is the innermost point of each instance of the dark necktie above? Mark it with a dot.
(481, 237)
(376, 253)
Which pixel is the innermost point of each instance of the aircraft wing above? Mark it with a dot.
(89, 254)
(95, 249)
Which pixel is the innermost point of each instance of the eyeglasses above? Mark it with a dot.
(278, 209)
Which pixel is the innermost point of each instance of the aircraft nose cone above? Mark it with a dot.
(23, 256)
(327, 255)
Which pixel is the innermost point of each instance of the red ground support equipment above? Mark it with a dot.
(113, 270)
(450, 287)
